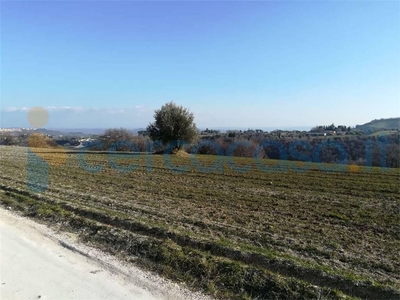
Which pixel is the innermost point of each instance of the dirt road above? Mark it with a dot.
(38, 263)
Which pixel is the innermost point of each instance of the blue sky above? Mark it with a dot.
(240, 64)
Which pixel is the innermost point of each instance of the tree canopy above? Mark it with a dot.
(116, 137)
(173, 123)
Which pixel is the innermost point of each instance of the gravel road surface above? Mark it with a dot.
(38, 263)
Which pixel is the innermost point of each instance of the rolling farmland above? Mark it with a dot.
(277, 231)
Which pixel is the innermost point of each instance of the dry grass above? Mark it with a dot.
(256, 234)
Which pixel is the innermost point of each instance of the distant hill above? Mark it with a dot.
(379, 125)
(64, 132)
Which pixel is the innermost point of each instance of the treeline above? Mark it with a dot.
(22, 139)
(362, 150)
(332, 127)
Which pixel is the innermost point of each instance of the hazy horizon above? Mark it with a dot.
(272, 64)
(221, 128)
(21, 122)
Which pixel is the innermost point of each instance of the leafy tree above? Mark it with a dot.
(173, 123)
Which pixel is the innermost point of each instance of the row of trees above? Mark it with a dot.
(331, 127)
(173, 123)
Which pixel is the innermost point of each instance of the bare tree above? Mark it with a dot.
(120, 139)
